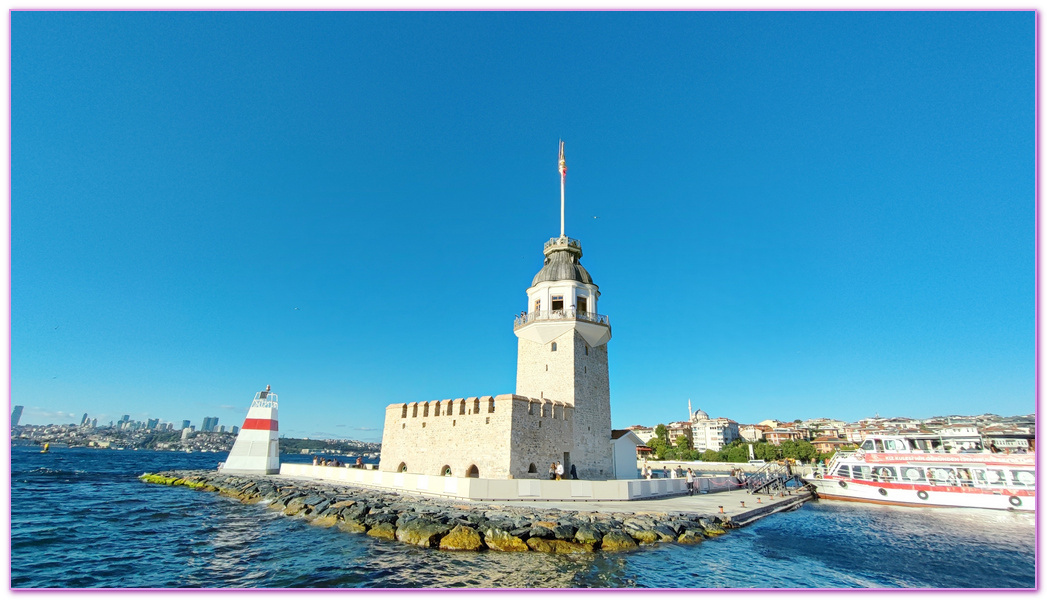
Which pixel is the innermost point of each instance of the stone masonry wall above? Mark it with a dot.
(542, 432)
(501, 444)
(458, 433)
(575, 374)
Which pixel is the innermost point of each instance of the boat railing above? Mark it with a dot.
(772, 478)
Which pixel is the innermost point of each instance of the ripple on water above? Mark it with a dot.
(114, 531)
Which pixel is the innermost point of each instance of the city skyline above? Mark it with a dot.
(788, 214)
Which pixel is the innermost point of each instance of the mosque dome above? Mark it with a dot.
(700, 415)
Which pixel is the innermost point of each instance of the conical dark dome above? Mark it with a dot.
(562, 262)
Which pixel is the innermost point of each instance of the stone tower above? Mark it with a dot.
(562, 354)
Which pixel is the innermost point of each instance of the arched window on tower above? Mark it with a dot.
(554, 347)
(403, 415)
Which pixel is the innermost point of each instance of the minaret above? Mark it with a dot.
(257, 446)
(562, 350)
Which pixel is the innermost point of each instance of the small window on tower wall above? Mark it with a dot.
(583, 304)
(557, 303)
(554, 346)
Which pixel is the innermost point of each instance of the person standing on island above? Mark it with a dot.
(559, 471)
(690, 482)
(552, 471)
(574, 472)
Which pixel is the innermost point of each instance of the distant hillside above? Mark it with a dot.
(295, 445)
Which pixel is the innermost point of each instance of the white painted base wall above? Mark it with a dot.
(468, 488)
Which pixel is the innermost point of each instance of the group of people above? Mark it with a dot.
(678, 472)
(334, 462)
(556, 471)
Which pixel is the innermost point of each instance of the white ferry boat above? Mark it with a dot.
(915, 470)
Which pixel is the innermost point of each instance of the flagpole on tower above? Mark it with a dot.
(563, 177)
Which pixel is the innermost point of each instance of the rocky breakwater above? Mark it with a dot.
(436, 523)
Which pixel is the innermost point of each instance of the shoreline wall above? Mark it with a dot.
(438, 523)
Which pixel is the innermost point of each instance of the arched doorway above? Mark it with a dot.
(402, 468)
(472, 471)
(445, 471)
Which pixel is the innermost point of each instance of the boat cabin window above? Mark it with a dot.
(1022, 478)
(867, 445)
(861, 472)
(912, 474)
(885, 473)
(989, 477)
(844, 471)
(894, 445)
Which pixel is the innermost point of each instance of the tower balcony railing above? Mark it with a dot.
(563, 241)
(560, 315)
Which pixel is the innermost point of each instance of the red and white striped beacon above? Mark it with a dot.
(257, 446)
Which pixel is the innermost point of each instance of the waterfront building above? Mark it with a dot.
(561, 409)
(680, 428)
(752, 433)
(644, 433)
(781, 434)
(712, 434)
(16, 415)
(827, 445)
(625, 444)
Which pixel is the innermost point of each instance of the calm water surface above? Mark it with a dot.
(81, 518)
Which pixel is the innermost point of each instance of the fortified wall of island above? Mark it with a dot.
(499, 437)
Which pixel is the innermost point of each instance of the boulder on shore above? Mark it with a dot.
(461, 537)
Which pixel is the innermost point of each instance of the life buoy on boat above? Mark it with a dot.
(883, 492)
(1015, 501)
(922, 495)
(843, 484)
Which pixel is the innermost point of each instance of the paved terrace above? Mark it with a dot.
(616, 496)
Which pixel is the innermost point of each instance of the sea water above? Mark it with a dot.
(81, 518)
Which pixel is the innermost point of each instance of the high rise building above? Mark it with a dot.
(16, 416)
(185, 423)
(152, 423)
(83, 420)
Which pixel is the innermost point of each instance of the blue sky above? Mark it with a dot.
(799, 214)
